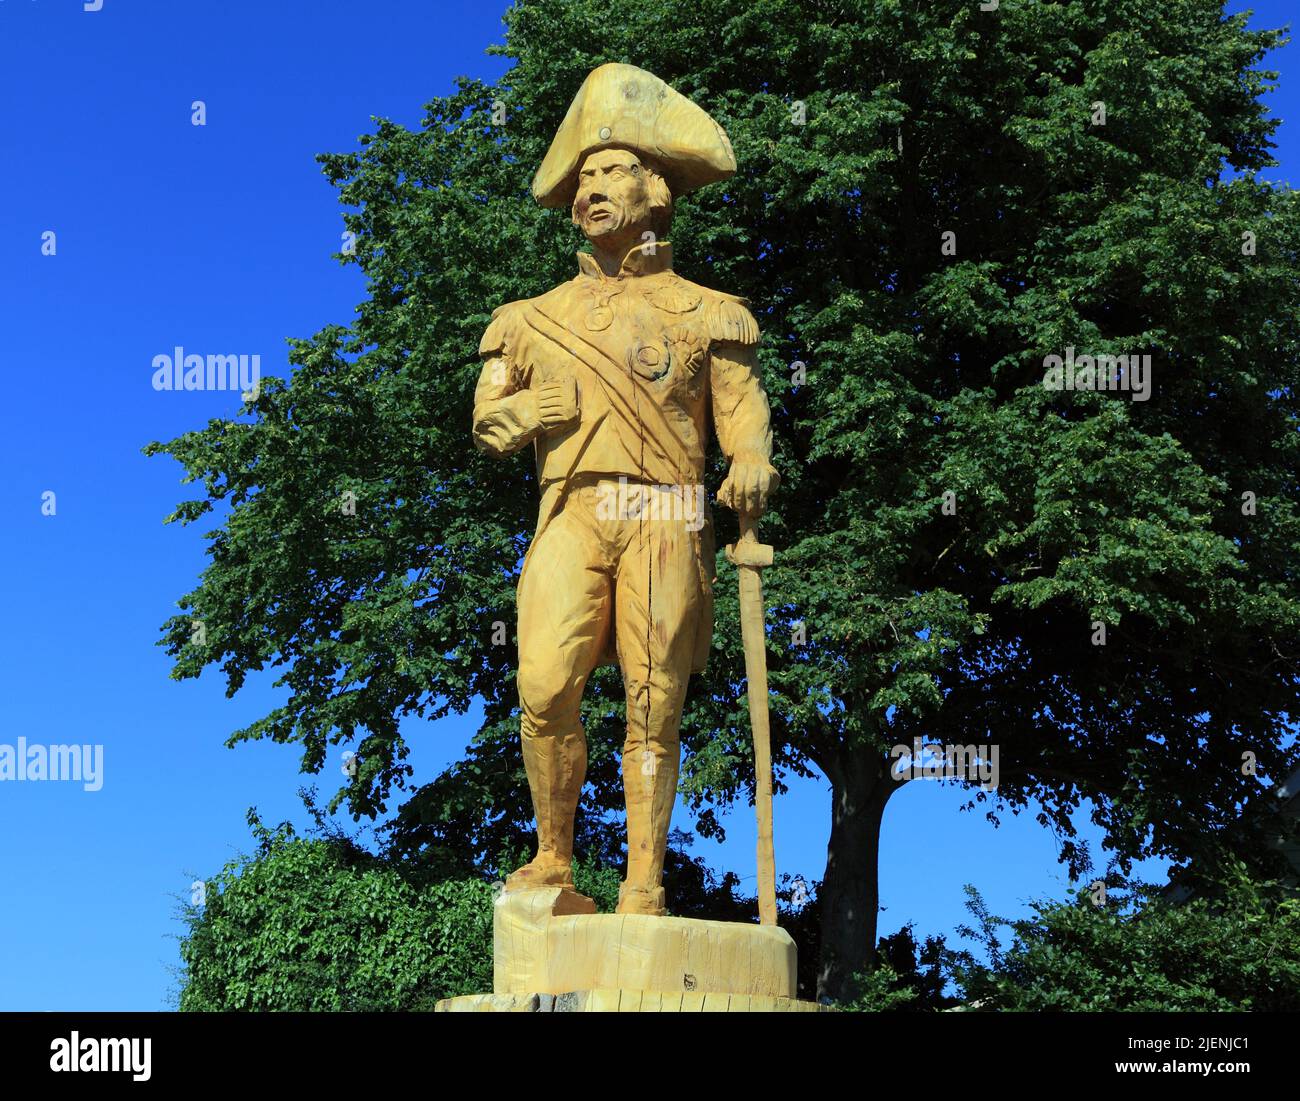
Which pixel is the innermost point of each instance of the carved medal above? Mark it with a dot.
(599, 318)
(673, 297)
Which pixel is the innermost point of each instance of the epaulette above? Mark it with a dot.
(729, 319)
(497, 336)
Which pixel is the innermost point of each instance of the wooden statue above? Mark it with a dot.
(615, 378)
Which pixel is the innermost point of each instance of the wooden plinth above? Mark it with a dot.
(550, 955)
(623, 1001)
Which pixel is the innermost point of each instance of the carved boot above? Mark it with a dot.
(649, 787)
(640, 900)
(556, 767)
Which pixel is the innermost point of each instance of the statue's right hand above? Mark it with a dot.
(557, 403)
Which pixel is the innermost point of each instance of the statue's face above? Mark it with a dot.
(612, 205)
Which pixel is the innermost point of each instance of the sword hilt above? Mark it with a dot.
(747, 550)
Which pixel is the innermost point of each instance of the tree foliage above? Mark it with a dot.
(320, 924)
(1238, 950)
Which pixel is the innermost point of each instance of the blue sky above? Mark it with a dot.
(219, 239)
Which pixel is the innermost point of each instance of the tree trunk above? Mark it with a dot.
(850, 893)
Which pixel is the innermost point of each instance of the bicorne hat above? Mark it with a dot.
(621, 105)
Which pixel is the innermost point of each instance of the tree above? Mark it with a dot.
(932, 200)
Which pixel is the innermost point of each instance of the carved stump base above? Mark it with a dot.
(547, 958)
(623, 1001)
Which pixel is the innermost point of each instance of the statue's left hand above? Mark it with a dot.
(749, 483)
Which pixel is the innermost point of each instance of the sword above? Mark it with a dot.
(750, 557)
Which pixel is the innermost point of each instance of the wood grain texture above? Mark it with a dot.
(625, 1001)
(537, 950)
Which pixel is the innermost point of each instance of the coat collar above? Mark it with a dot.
(647, 258)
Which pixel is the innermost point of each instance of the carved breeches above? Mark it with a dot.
(621, 560)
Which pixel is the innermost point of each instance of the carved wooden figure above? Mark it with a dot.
(616, 378)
